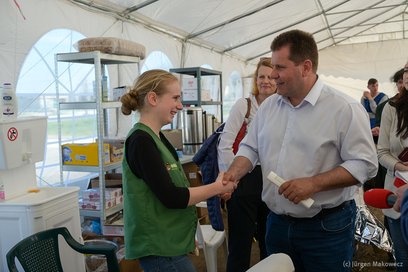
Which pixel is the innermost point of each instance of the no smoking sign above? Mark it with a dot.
(12, 134)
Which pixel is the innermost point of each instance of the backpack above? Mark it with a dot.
(207, 161)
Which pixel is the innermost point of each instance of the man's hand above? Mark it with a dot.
(229, 176)
(375, 131)
(239, 167)
(367, 95)
(401, 166)
(296, 190)
(400, 195)
(226, 187)
(225, 196)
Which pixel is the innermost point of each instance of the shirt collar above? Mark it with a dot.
(311, 97)
(315, 92)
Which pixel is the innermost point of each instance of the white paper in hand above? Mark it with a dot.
(402, 175)
(277, 180)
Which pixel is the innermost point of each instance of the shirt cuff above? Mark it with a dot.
(248, 153)
(360, 170)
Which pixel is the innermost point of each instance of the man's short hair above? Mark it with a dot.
(398, 75)
(302, 46)
(372, 81)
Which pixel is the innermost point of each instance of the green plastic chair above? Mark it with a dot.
(39, 252)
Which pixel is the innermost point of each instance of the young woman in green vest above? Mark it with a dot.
(159, 214)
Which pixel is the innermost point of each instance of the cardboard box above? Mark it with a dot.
(130, 266)
(192, 172)
(119, 199)
(116, 148)
(116, 154)
(125, 265)
(84, 154)
(115, 228)
(190, 83)
(95, 204)
(190, 89)
(175, 137)
(94, 194)
(206, 95)
(112, 180)
(119, 91)
(202, 213)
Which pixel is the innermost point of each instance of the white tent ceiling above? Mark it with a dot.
(246, 28)
(358, 39)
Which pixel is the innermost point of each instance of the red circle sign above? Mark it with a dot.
(12, 134)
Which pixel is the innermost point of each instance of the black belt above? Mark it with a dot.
(322, 213)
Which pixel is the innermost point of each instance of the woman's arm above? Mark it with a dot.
(385, 157)
(231, 128)
(145, 162)
(200, 193)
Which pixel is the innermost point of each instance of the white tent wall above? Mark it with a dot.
(19, 35)
(196, 56)
(348, 67)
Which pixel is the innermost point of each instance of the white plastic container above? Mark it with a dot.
(8, 103)
(22, 142)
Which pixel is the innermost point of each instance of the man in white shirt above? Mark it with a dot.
(319, 141)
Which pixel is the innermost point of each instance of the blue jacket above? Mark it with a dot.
(206, 159)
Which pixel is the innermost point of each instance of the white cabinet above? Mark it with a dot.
(99, 61)
(51, 207)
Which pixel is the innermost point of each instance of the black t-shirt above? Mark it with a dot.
(144, 160)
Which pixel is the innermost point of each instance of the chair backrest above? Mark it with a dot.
(279, 262)
(40, 251)
(210, 240)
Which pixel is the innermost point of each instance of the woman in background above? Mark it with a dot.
(392, 141)
(246, 211)
(159, 214)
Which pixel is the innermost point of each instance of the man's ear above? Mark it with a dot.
(151, 98)
(307, 67)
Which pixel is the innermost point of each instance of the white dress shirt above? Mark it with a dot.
(326, 130)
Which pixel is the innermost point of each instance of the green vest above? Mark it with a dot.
(150, 227)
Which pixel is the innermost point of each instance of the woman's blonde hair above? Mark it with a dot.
(150, 81)
(262, 62)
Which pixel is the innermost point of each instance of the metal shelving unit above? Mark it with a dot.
(98, 60)
(199, 73)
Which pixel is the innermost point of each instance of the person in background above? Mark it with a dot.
(382, 171)
(399, 83)
(319, 141)
(246, 211)
(371, 99)
(159, 214)
(378, 181)
(392, 140)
